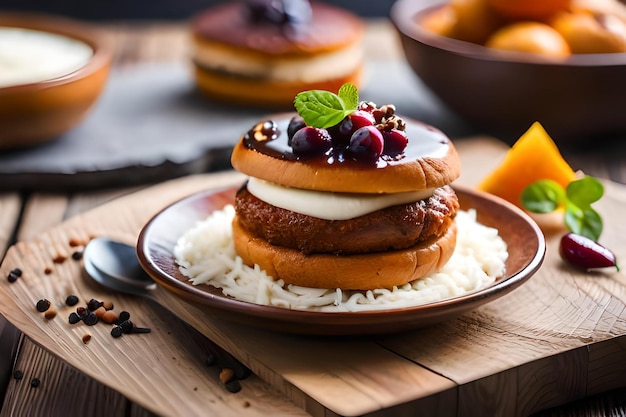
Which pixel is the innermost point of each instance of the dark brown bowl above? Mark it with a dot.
(503, 93)
(37, 112)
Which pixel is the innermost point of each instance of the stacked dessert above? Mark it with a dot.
(264, 52)
(345, 194)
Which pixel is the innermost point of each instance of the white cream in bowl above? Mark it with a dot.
(30, 56)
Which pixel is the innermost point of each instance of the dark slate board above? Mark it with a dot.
(150, 124)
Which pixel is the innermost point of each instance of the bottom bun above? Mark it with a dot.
(352, 272)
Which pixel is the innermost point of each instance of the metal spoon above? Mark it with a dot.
(114, 265)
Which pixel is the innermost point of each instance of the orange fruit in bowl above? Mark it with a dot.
(529, 9)
(591, 33)
(475, 20)
(440, 21)
(533, 157)
(530, 37)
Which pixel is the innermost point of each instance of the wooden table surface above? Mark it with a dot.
(25, 215)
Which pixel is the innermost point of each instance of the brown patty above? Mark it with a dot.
(396, 227)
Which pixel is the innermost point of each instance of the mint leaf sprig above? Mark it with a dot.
(545, 196)
(323, 109)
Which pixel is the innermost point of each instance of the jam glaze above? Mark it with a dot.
(270, 137)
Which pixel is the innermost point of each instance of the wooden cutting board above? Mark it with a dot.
(559, 337)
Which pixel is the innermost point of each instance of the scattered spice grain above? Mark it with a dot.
(100, 311)
(50, 313)
(77, 255)
(93, 304)
(14, 274)
(109, 317)
(90, 319)
(71, 300)
(74, 242)
(73, 318)
(42, 305)
(59, 259)
(233, 386)
(86, 338)
(35, 382)
(116, 332)
(18, 375)
(226, 375)
(47, 271)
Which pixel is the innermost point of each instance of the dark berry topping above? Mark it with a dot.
(296, 123)
(395, 142)
(311, 141)
(281, 12)
(366, 144)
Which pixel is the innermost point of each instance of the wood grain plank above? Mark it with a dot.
(42, 211)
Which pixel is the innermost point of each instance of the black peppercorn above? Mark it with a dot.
(43, 305)
(90, 319)
(73, 318)
(123, 316)
(71, 300)
(94, 304)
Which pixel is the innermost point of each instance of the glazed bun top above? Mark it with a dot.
(294, 27)
(428, 160)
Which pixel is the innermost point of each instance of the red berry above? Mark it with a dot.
(311, 141)
(366, 144)
(585, 253)
(343, 131)
(395, 142)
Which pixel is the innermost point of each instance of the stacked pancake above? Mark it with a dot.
(263, 53)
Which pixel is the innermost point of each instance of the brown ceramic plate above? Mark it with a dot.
(159, 236)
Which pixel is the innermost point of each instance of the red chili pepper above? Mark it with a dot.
(585, 253)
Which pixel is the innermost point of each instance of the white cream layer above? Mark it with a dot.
(327, 205)
(308, 69)
(29, 56)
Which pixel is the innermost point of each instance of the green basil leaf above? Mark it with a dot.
(321, 109)
(350, 96)
(586, 222)
(543, 196)
(585, 191)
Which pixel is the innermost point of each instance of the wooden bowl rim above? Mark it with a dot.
(71, 28)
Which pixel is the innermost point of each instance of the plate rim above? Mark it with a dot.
(338, 323)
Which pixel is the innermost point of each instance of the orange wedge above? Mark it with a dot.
(533, 157)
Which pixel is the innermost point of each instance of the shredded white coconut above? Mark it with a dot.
(206, 255)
